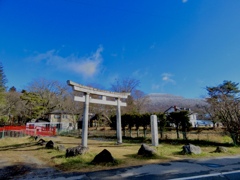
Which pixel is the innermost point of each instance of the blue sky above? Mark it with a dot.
(171, 46)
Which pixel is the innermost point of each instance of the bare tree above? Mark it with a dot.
(74, 108)
(52, 93)
(125, 85)
(13, 108)
(140, 101)
(208, 112)
(13, 105)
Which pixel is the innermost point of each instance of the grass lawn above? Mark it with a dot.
(125, 154)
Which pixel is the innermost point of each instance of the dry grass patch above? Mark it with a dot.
(18, 149)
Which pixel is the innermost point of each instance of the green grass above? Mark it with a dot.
(125, 154)
(75, 163)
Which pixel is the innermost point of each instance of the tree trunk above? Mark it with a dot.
(161, 133)
(145, 132)
(214, 124)
(234, 137)
(130, 131)
(184, 133)
(177, 131)
(137, 132)
(124, 132)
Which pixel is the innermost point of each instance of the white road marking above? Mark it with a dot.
(207, 175)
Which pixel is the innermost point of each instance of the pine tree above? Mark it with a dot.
(3, 79)
(224, 100)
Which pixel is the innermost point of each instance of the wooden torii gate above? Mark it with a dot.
(86, 98)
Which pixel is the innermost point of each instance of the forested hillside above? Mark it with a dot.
(161, 102)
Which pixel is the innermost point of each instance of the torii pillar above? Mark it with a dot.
(85, 120)
(102, 100)
(119, 122)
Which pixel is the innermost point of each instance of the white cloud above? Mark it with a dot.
(167, 77)
(155, 86)
(184, 1)
(86, 66)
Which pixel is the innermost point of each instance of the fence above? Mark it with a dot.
(20, 131)
(206, 135)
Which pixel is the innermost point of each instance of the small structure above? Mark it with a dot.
(203, 123)
(154, 130)
(192, 115)
(64, 120)
(59, 120)
(92, 95)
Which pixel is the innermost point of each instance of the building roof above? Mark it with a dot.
(58, 112)
(177, 109)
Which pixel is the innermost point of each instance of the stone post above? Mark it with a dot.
(85, 121)
(119, 126)
(154, 130)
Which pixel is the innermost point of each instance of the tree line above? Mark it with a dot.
(129, 121)
(38, 99)
(42, 96)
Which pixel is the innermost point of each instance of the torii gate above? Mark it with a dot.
(103, 94)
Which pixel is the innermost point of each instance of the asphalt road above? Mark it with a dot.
(215, 168)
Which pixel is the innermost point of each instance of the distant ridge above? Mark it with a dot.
(161, 102)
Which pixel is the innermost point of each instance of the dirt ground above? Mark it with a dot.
(21, 158)
(21, 162)
(26, 167)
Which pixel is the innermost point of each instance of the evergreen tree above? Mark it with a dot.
(3, 81)
(180, 119)
(33, 105)
(12, 89)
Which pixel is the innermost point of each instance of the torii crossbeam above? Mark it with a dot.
(87, 91)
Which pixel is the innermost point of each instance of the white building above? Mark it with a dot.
(192, 117)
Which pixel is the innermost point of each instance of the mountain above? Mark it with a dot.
(161, 102)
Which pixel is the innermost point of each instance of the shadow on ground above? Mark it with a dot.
(17, 146)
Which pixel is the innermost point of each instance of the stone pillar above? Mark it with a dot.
(154, 130)
(119, 126)
(85, 121)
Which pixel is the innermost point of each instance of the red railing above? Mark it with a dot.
(29, 130)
